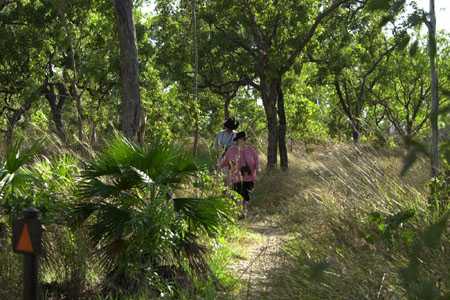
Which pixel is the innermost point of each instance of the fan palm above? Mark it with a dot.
(136, 226)
(15, 177)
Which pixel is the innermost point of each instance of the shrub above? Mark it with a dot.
(144, 236)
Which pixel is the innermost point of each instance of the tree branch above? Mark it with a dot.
(304, 41)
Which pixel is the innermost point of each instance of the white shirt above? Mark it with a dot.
(224, 139)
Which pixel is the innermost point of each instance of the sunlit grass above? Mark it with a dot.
(326, 201)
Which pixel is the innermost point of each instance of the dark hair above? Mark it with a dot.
(231, 123)
(240, 135)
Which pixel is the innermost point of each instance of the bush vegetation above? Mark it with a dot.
(127, 220)
(359, 230)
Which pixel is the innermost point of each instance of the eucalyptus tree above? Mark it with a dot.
(60, 52)
(20, 66)
(268, 38)
(429, 19)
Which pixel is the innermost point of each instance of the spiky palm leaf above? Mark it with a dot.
(208, 214)
(124, 166)
(14, 173)
(132, 221)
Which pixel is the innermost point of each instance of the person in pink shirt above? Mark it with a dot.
(243, 163)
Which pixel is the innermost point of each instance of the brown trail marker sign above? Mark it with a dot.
(27, 240)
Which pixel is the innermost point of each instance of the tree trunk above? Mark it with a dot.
(284, 163)
(74, 92)
(434, 92)
(80, 115)
(129, 72)
(196, 138)
(195, 55)
(141, 132)
(73, 78)
(15, 118)
(355, 132)
(269, 98)
(93, 137)
(12, 122)
(226, 107)
(56, 102)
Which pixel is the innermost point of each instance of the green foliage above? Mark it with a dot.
(304, 110)
(391, 228)
(418, 278)
(414, 48)
(137, 227)
(16, 177)
(117, 225)
(144, 217)
(379, 4)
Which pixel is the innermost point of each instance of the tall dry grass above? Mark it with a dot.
(355, 228)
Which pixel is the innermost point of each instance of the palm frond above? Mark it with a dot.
(17, 156)
(129, 220)
(207, 214)
(195, 254)
(14, 174)
(92, 188)
(123, 166)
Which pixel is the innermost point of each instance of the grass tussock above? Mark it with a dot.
(358, 229)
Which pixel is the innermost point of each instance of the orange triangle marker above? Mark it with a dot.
(24, 243)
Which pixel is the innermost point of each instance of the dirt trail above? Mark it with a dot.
(261, 253)
(261, 256)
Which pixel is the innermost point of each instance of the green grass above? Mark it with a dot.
(347, 210)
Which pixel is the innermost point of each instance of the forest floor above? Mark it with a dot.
(265, 232)
(261, 255)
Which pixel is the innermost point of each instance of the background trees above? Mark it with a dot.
(256, 42)
(141, 212)
(331, 64)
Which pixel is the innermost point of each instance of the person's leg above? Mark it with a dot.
(247, 186)
(240, 189)
(237, 187)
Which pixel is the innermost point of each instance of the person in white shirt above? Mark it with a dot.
(224, 140)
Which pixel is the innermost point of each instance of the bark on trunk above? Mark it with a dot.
(141, 132)
(196, 138)
(80, 115)
(284, 163)
(93, 137)
(195, 90)
(269, 98)
(226, 107)
(355, 133)
(56, 102)
(75, 94)
(434, 92)
(129, 74)
(15, 118)
(73, 78)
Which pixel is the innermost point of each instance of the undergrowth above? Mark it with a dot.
(360, 231)
(130, 222)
